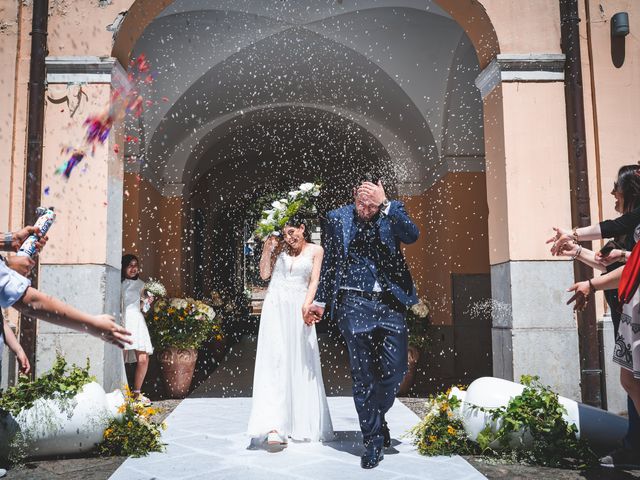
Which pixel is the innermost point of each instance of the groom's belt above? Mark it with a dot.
(359, 293)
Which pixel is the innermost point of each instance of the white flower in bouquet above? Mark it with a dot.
(179, 303)
(155, 288)
(420, 309)
(300, 200)
(279, 205)
(306, 187)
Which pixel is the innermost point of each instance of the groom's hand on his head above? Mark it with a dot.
(374, 193)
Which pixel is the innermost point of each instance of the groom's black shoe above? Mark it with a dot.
(372, 456)
(386, 434)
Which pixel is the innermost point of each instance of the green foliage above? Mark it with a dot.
(61, 382)
(135, 434)
(182, 323)
(297, 202)
(538, 414)
(441, 432)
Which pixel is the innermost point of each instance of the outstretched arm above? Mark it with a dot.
(36, 304)
(313, 282)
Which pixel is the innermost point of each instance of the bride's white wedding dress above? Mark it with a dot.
(288, 393)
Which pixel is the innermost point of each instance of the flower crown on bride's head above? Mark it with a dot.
(295, 202)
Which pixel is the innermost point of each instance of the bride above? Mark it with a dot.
(288, 393)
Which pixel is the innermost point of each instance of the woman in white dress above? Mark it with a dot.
(140, 348)
(289, 399)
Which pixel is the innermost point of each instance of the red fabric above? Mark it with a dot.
(630, 276)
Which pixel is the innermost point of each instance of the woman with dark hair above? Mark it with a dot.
(625, 229)
(140, 348)
(288, 393)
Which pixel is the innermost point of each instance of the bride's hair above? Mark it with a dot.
(296, 221)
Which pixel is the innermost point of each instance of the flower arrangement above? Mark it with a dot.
(155, 288)
(152, 290)
(536, 413)
(417, 319)
(182, 323)
(135, 433)
(274, 219)
(441, 431)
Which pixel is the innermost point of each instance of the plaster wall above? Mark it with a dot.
(452, 217)
(153, 230)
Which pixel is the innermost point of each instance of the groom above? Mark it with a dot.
(367, 285)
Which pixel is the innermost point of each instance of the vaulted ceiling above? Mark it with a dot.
(399, 73)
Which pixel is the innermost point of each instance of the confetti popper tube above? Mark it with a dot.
(44, 222)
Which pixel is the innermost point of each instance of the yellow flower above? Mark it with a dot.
(127, 392)
(122, 408)
(130, 424)
(171, 310)
(218, 337)
(451, 430)
(108, 432)
(432, 438)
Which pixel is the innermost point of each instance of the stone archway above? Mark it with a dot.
(184, 134)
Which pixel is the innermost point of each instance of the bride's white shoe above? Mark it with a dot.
(274, 438)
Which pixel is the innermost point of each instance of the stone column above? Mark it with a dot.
(81, 264)
(534, 332)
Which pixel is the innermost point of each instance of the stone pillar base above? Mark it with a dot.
(93, 289)
(534, 332)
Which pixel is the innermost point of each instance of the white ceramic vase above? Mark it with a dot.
(54, 427)
(490, 392)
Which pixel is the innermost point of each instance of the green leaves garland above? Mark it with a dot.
(536, 413)
(61, 382)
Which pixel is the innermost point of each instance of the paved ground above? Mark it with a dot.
(103, 468)
(233, 379)
(206, 440)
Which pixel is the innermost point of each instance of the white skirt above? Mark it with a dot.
(288, 392)
(141, 341)
(626, 352)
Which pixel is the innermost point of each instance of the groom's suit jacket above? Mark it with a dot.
(393, 229)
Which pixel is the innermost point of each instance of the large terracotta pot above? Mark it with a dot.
(177, 366)
(413, 355)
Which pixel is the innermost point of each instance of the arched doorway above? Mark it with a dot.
(318, 92)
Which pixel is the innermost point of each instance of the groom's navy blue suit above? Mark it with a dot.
(367, 287)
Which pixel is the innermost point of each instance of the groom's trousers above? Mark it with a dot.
(376, 336)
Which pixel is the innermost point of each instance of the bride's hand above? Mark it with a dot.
(271, 244)
(305, 315)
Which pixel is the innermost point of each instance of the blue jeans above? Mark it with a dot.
(632, 439)
(376, 336)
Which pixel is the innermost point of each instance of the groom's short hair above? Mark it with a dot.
(368, 177)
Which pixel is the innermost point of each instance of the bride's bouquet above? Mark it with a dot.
(274, 219)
